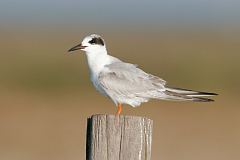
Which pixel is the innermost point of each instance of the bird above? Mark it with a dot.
(125, 83)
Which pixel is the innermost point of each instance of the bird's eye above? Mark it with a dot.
(98, 41)
(93, 41)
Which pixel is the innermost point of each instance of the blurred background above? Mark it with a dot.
(46, 95)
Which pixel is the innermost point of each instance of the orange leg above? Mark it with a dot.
(119, 109)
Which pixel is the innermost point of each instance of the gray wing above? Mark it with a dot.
(126, 79)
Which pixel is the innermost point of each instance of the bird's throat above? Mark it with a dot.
(97, 61)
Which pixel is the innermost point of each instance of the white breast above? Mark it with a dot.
(96, 63)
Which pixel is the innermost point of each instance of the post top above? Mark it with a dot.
(120, 116)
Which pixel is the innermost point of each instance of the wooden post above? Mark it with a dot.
(111, 137)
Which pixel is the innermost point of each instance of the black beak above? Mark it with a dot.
(77, 47)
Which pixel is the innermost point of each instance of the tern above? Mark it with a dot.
(126, 83)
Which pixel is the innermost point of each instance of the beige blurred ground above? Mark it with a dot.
(46, 95)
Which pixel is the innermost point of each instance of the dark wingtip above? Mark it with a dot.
(202, 99)
(207, 93)
(197, 92)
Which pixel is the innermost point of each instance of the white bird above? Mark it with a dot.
(125, 83)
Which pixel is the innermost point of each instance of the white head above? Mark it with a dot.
(91, 44)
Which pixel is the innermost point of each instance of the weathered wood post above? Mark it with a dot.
(111, 137)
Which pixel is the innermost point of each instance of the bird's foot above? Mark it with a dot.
(119, 109)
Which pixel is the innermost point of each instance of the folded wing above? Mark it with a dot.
(127, 80)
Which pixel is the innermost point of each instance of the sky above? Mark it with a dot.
(120, 13)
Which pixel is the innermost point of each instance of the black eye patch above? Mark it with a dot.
(97, 41)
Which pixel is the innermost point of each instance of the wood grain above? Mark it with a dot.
(111, 137)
